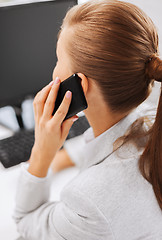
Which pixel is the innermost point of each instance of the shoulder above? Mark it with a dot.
(110, 183)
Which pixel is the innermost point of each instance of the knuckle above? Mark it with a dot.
(50, 128)
(36, 100)
(61, 112)
(49, 103)
(39, 101)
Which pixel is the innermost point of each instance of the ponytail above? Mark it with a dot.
(150, 163)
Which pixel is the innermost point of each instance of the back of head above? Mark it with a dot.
(115, 44)
(111, 43)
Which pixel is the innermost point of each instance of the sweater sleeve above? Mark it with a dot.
(74, 217)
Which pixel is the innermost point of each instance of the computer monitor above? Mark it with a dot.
(28, 35)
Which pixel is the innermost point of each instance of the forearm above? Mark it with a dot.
(32, 205)
(32, 192)
(38, 164)
(61, 161)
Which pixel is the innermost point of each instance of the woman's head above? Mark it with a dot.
(115, 45)
(110, 42)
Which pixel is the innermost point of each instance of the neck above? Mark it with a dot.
(101, 119)
(98, 114)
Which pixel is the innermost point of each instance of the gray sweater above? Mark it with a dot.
(107, 200)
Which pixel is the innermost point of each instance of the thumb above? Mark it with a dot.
(67, 124)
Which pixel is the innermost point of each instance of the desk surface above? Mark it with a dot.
(8, 182)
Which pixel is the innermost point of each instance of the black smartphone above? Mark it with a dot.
(78, 102)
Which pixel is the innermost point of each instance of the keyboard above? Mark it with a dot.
(17, 148)
(78, 127)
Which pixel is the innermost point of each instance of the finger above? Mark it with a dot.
(66, 125)
(61, 112)
(50, 101)
(40, 100)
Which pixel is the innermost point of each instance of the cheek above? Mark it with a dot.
(61, 71)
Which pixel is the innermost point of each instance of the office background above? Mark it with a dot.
(8, 178)
(151, 7)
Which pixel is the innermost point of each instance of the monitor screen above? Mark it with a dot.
(28, 35)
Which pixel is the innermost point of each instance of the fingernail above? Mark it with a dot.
(57, 80)
(75, 119)
(68, 94)
(51, 83)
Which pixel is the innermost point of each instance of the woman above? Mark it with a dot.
(113, 46)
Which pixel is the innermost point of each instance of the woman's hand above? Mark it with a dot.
(50, 131)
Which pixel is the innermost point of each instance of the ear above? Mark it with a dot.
(84, 82)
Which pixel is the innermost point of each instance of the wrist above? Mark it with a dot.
(38, 166)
